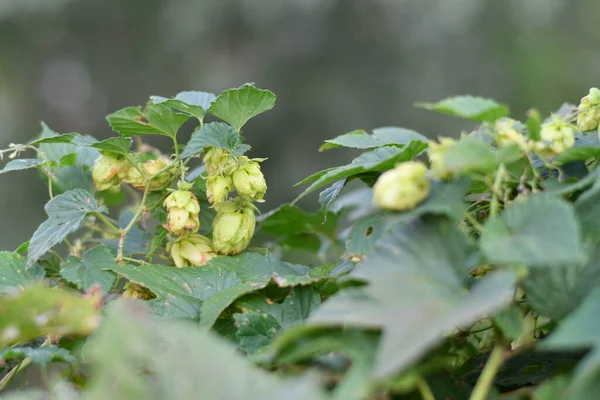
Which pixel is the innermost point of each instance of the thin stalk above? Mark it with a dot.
(106, 222)
(125, 231)
(474, 223)
(424, 389)
(486, 379)
(496, 189)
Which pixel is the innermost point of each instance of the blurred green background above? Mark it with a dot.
(336, 66)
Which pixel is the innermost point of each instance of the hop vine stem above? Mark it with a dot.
(486, 379)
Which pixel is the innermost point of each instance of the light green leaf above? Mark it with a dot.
(445, 199)
(65, 212)
(417, 292)
(539, 232)
(469, 107)
(237, 106)
(13, 273)
(91, 270)
(21, 164)
(215, 134)
(385, 136)
(375, 160)
(185, 363)
(255, 330)
(117, 145)
(193, 103)
(469, 156)
(38, 311)
(42, 355)
(156, 119)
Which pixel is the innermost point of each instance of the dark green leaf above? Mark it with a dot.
(417, 292)
(510, 322)
(136, 241)
(385, 136)
(193, 103)
(215, 134)
(65, 212)
(469, 107)
(255, 330)
(539, 232)
(156, 119)
(587, 145)
(533, 124)
(375, 160)
(581, 330)
(237, 106)
(64, 138)
(13, 273)
(290, 220)
(91, 270)
(445, 199)
(117, 145)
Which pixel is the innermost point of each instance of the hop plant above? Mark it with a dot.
(151, 168)
(233, 227)
(249, 181)
(403, 187)
(589, 111)
(137, 292)
(192, 250)
(507, 135)
(436, 156)
(218, 188)
(217, 159)
(557, 136)
(183, 209)
(109, 170)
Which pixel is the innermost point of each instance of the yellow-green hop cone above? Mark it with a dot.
(249, 181)
(218, 188)
(233, 227)
(137, 292)
(589, 116)
(215, 159)
(183, 209)
(192, 250)
(403, 187)
(507, 135)
(151, 168)
(436, 156)
(109, 171)
(556, 136)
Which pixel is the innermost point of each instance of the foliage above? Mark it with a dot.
(466, 268)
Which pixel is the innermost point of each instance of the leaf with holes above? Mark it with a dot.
(237, 106)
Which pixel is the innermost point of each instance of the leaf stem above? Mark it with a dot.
(486, 379)
(424, 389)
(107, 222)
(474, 223)
(496, 188)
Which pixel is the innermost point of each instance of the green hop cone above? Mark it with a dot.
(403, 187)
(216, 159)
(137, 292)
(183, 209)
(151, 168)
(233, 227)
(507, 135)
(436, 156)
(109, 171)
(589, 113)
(218, 188)
(249, 181)
(192, 250)
(557, 136)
